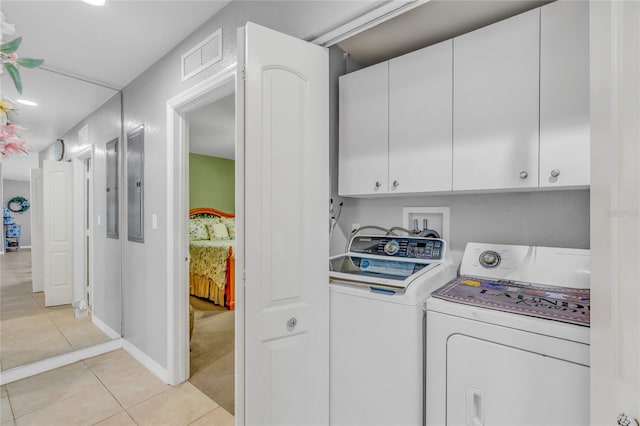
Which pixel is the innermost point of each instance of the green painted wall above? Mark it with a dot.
(212, 183)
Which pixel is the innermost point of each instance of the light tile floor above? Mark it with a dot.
(110, 389)
(28, 330)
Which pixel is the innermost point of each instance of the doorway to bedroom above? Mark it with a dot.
(211, 181)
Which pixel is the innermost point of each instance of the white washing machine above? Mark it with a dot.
(378, 291)
(508, 340)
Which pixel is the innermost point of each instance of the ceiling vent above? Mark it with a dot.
(202, 56)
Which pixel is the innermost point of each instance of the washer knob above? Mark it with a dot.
(489, 259)
(392, 247)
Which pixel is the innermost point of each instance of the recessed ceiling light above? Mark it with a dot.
(26, 102)
(95, 2)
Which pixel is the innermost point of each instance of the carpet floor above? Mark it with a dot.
(213, 352)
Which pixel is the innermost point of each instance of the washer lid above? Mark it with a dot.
(377, 271)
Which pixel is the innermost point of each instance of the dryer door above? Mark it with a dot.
(493, 384)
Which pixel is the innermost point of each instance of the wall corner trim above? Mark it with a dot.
(146, 361)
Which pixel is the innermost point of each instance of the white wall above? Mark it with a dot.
(144, 282)
(18, 188)
(17, 167)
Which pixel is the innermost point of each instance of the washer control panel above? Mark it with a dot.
(398, 247)
(565, 267)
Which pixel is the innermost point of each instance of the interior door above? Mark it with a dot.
(37, 232)
(615, 210)
(286, 187)
(58, 232)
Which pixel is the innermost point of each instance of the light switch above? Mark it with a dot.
(154, 221)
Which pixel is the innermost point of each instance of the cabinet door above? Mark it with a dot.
(495, 105)
(364, 136)
(564, 94)
(420, 120)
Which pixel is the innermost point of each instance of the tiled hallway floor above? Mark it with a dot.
(110, 389)
(29, 330)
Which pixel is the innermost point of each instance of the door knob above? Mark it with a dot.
(291, 324)
(624, 420)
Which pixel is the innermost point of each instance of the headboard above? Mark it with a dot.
(207, 212)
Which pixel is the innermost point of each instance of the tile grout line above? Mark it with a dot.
(124, 410)
(207, 413)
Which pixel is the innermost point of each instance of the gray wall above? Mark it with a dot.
(144, 283)
(546, 218)
(18, 188)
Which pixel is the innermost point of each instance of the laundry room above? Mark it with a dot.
(460, 216)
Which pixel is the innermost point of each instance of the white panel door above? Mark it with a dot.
(420, 120)
(495, 105)
(58, 233)
(615, 210)
(37, 231)
(286, 187)
(493, 384)
(564, 94)
(364, 131)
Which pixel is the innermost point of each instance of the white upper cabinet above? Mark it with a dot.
(420, 120)
(564, 94)
(495, 105)
(502, 108)
(364, 131)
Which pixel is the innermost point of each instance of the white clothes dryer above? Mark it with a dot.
(494, 355)
(378, 291)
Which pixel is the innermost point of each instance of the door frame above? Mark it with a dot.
(79, 223)
(213, 88)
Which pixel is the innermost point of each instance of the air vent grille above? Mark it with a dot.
(202, 56)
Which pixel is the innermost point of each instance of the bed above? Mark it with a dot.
(212, 264)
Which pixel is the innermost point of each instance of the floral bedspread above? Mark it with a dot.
(209, 259)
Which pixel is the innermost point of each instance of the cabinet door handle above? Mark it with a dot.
(378, 184)
(524, 174)
(555, 173)
(395, 183)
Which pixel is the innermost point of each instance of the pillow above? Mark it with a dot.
(210, 220)
(218, 231)
(230, 223)
(197, 230)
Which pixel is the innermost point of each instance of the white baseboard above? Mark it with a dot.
(28, 370)
(110, 332)
(147, 362)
